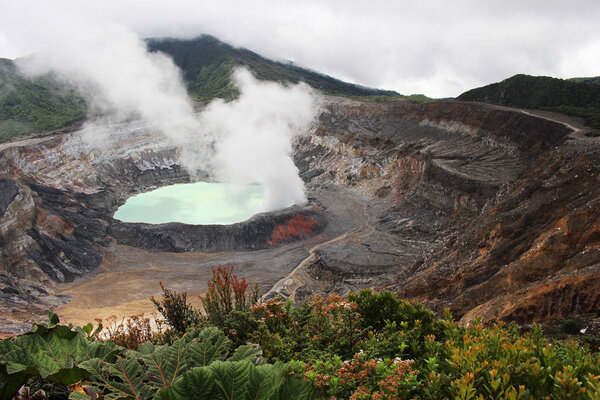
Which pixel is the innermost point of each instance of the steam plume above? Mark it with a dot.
(244, 141)
(255, 135)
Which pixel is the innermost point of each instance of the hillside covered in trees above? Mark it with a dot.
(579, 97)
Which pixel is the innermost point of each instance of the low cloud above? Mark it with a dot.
(434, 47)
(247, 140)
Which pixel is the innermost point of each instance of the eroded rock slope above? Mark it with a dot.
(489, 212)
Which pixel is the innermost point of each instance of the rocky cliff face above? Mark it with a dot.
(56, 205)
(489, 212)
(533, 253)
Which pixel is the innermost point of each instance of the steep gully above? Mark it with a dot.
(450, 203)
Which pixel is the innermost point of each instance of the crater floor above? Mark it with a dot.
(131, 275)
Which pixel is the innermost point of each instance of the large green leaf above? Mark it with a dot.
(51, 352)
(153, 367)
(198, 383)
(240, 380)
(57, 354)
(232, 378)
(123, 379)
(250, 352)
(146, 348)
(295, 388)
(265, 381)
(210, 345)
(166, 363)
(106, 351)
(6, 346)
(18, 361)
(273, 382)
(54, 354)
(192, 367)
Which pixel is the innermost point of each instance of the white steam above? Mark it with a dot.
(255, 133)
(119, 78)
(244, 141)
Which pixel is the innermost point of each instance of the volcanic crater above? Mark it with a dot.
(455, 204)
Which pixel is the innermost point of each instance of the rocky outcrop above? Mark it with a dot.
(8, 192)
(490, 212)
(532, 254)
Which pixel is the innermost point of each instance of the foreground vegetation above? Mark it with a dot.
(367, 346)
(579, 97)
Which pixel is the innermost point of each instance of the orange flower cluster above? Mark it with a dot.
(364, 378)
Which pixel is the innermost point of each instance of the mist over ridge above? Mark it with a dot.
(246, 140)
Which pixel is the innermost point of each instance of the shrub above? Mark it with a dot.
(498, 362)
(398, 328)
(225, 294)
(131, 332)
(570, 326)
(318, 327)
(227, 304)
(179, 315)
(362, 378)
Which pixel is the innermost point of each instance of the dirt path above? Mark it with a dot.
(576, 132)
(578, 129)
(296, 279)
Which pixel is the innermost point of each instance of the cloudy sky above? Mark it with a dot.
(440, 48)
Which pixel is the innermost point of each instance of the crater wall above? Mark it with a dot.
(451, 203)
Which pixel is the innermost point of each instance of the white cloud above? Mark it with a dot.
(437, 47)
(243, 141)
(583, 62)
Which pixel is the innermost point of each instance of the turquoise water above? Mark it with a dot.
(198, 203)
